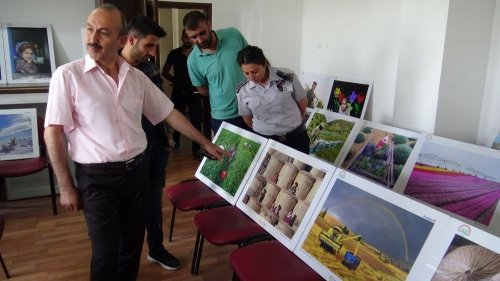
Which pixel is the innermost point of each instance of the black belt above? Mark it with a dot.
(122, 165)
(300, 129)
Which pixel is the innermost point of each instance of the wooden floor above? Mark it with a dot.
(37, 245)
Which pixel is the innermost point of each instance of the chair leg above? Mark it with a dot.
(172, 220)
(52, 190)
(4, 267)
(198, 247)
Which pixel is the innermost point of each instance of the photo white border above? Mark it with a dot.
(481, 151)
(492, 139)
(357, 81)
(325, 167)
(439, 219)
(219, 190)
(350, 138)
(7, 50)
(466, 231)
(3, 65)
(324, 90)
(407, 168)
(34, 133)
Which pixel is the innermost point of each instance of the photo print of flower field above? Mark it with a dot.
(379, 153)
(458, 177)
(328, 132)
(357, 235)
(281, 190)
(228, 175)
(349, 97)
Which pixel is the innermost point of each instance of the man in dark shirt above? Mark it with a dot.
(142, 39)
(183, 93)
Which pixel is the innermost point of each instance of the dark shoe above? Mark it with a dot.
(165, 260)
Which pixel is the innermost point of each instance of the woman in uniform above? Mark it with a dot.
(272, 101)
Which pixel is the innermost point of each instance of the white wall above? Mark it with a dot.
(465, 62)
(357, 39)
(490, 113)
(423, 30)
(67, 18)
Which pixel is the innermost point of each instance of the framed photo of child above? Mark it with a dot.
(29, 52)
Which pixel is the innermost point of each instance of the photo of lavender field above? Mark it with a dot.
(458, 178)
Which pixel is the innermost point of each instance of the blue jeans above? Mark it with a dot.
(158, 155)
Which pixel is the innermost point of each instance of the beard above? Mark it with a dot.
(207, 43)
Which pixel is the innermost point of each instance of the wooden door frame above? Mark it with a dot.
(207, 10)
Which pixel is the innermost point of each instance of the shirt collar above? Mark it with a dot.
(272, 77)
(90, 64)
(219, 37)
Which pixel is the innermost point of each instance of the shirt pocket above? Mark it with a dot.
(253, 103)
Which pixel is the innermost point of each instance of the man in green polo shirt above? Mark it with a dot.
(213, 68)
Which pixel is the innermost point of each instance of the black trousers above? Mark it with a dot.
(114, 203)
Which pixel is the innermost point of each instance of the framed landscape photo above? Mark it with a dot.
(317, 87)
(228, 176)
(18, 134)
(380, 153)
(29, 52)
(460, 178)
(467, 251)
(3, 77)
(283, 190)
(350, 96)
(329, 132)
(362, 231)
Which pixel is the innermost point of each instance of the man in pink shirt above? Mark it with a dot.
(97, 103)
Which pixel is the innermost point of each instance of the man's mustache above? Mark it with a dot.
(94, 45)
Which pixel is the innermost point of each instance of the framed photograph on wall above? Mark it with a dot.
(228, 176)
(466, 251)
(18, 134)
(283, 190)
(457, 177)
(3, 77)
(350, 96)
(360, 230)
(29, 52)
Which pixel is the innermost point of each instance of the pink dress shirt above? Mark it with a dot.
(102, 120)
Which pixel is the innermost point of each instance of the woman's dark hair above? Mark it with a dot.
(251, 55)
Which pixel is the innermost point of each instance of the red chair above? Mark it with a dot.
(190, 195)
(223, 226)
(2, 226)
(24, 167)
(269, 260)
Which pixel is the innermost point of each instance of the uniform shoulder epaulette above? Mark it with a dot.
(240, 85)
(284, 75)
